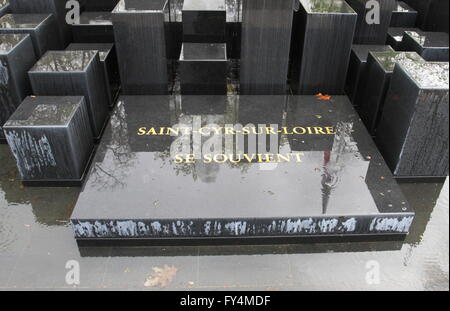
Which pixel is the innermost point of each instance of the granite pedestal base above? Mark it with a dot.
(325, 35)
(108, 58)
(16, 58)
(357, 67)
(94, 27)
(432, 46)
(42, 28)
(372, 33)
(203, 69)
(413, 133)
(305, 187)
(380, 66)
(74, 73)
(403, 16)
(204, 21)
(51, 139)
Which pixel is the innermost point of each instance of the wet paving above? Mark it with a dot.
(36, 243)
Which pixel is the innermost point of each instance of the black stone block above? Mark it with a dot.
(141, 31)
(220, 199)
(403, 16)
(266, 41)
(42, 28)
(395, 36)
(94, 27)
(55, 7)
(413, 131)
(325, 35)
(108, 58)
(372, 33)
(357, 67)
(380, 66)
(50, 138)
(204, 21)
(203, 69)
(100, 5)
(73, 73)
(4, 7)
(432, 46)
(433, 14)
(16, 58)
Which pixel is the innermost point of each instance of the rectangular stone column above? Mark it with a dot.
(325, 34)
(432, 46)
(266, 40)
(403, 16)
(140, 35)
(413, 131)
(94, 27)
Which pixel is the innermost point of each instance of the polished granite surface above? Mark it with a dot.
(104, 49)
(9, 41)
(203, 51)
(95, 18)
(429, 39)
(326, 6)
(387, 60)
(130, 6)
(204, 5)
(318, 158)
(22, 21)
(64, 61)
(45, 111)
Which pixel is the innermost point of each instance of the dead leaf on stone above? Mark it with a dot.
(161, 276)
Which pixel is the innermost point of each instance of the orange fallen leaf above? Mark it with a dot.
(161, 277)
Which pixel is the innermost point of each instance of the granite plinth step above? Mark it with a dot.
(413, 134)
(356, 70)
(403, 16)
(42, 28)
(51, 140)
(294, 175)
(74, 73)
(203, 69)
(432, 46)
(16, 58)
(94, 27)
(108, 58)
(395, 36)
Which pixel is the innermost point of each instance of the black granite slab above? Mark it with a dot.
(42, 28)
(203, 69)
(4, 7)
(380, 66)
(433, 14)
(204, 21)
(100, 5)
(16, 58)
(372, 33)
(324, 33)
(147, 195)
(55, 7)
(94, 27)
(50, 138)
(71, 73)
(395, 36)
(141, 29)
(432, 46)
(266, 41)
(357, 67)
(108, 58)
(413, 131)
(403, 16)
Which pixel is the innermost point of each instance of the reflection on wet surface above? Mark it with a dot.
(36, 242)
(60, 61)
